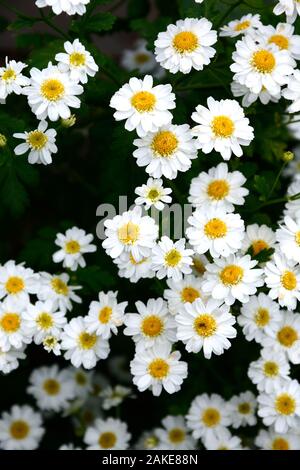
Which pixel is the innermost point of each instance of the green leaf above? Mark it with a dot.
(137, 8)
(38, 251)
(21, 23)
(263, 184)
(149, 30)
(41, 57)
(95, 279)
(95, 24)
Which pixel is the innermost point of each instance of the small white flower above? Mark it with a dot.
(58, 289)
(11, 79)
(171, 259)
(52, 344)
(77, 61)
(283, 36)
(106, 315)
(174, 434)
(18, 282)
(14, 333)
(288, 237)
(82, 381)
(73, 245)
(258, 238)
(42, 319)
(285, 336)
(9, 360)
(199, 265)
(243, 407)
(292, 92)
(132, 269)
(153, 194)
(114, 396)
(291, 8)
(249, 97)
(246, 24)
(271, 367)
(182, 292)
(107, 434)
(71, 7)
(223, 440)
(20, 428)
(148, 441)
(270, 440)
(292, 208)
(139, 58)
(40, 143)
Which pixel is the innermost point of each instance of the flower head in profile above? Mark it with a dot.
(11, 78)
(246, 24)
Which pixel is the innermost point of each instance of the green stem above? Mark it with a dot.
(227, 12)
(279, 200)
(50, 23)
(277, 178)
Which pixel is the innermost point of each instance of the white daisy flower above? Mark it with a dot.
(285, 336)
(243, 407)
(52, 93)
(52, 344)
(71, 7)
(281, 407)
(14, 333)
(106, 315)
(73, 245)
(214, 230)
(207, 416)
(57, 288)
(77, 61)
(144, 106)
(292, 92)
(151, 326)
(246, 24)
(258, 65)
(11, 79)
(186, 45)
(288, 237)
(82, 381)
(218, 188)
(271, 440)
(232, 278)
(51, 388)
(147, 441)
(223, 440)
(258, 238)
(283, 36)
(259, 317)
(114, 396)
(182, 292)
(272, 366)
(18, 282)
(107, 434)
(282, 277)
(171, 259)
(42, 319)
(291, 8)
(166, 151)
(40, 143)
(153, 194)
(222, 127)
(130, 232)
(139, 58)
(199, 264)
(249, 97)
(9, 360)
(207, 326)
(20, 428)
(292, 208)
(132, 269)
(174, 434)
(158, 368)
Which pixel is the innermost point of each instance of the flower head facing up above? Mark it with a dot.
(76, 61)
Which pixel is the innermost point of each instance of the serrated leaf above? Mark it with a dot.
(21, 23)
(95, 24)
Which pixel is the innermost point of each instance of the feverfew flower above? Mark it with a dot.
(292, 92)
(171, 259)
(73, 245)
(292, 208)
(132, 269)
(42, 319)
(181, 292)
(107, 434)
(174, 434)
(9, 360)
(283, 36)
(71, 7)
(14, 333)
(243, 408)
(51, 343)
(224, 440)
(290, 7)
(270, 440)
(18, 282)
(40, 143)
(186, 45)
(218, 188)
(77, 61)
(106, 315)
(139, 58)
(271, 367)
(82, 381)
(144, 106)
(205, 326)
(20, 429)
(58, 289)
(288, 237)
(199, 264)
(52, 93)
(158, 368)
(285, 336)
(166, 151)
(249, 97)
(247, 24)
(222, 127)
(153, 194)
(258, 238)
(11, 78)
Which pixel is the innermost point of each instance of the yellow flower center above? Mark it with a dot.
(231, 275)
(136, 263)
(263, 61)
(176, 435)
(87, 340)
(164, 143)
(14, 285)
(153, 195)
(51, 387)
(44, 321)
(173, 258)
(189, 294)
(280, 444)
(244, 408)
(77, 59)
(9, 74)
(52, 89)
(242, 25)
(10, 322)
(198, 266)
(281, 41)
(288, 280)
(152, 326)
(258, 246)
(50, 341)
(262, 317)
(205, 325)
(143, 101)
(19, 429)
(158, 369)
(215, 228)
(222, 126)
(107, 440)
(72, 247)
(297, 238)
(287, 336)
(211, 417)
(129, 233)
(218, 189)
(37, 140)
(285, 404)
(105, 314)
(185, 42)
(270, 369)
(80, 378)
(151, 442)
(59, 286)
(141, 58)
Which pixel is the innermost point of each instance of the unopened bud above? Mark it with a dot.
(3, 140)
(69, 122)
(288, 157)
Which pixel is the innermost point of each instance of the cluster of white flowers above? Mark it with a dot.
(70, 7)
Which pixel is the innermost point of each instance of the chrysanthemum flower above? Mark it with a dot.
(182, 292)
(73, 245)
(40, 143)
(11, 78)
(174, 434)
(271, 440)
(153, 194)
(106, 315)
(272, 366)
(109, 434)
(243, 407)
(20, 428)
(171, 259)
(245, 25)
(77, 61)
(71, 7)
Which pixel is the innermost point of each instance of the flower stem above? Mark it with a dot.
(49, 22)
(227, 12)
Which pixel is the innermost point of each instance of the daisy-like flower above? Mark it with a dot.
(11, 78)
(139, 58)
(232, 278)
(52, 93)
(42, 319)
(206, 326)
(243, 408)
(249, 97)
(132, 269)
(166, 151)
(288, 237)
(207, 416)
(258, 65)
(130, 232)
(9, 360)
(18, 282)
(186, 45)
(174, 434)
(171, 259)
(14, 333)
(283, 36)
(77, 61)
(258, 238)
(271, 367)
(58, 289)
(148, 441)
(223, 440)
(182, 292)
(51, 388)
(40, 143)
(199, 265)
(153, 194)
(285, 336)
(270, 440)
(144, 106)
(52, 344)
(106, 315)
(114, 396)
(282, 277)
(281, 407)
(292, 208)
(20, 429)
(291, 8)
(218, 189)
(83, 348)
(71, 7)
(259, 317)
(215, 230)
(292, 92)
(82, 381)
(222, 127)
(107, 434)
(151, 326)
(246, 24)
(73, 245)
(158, 368)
